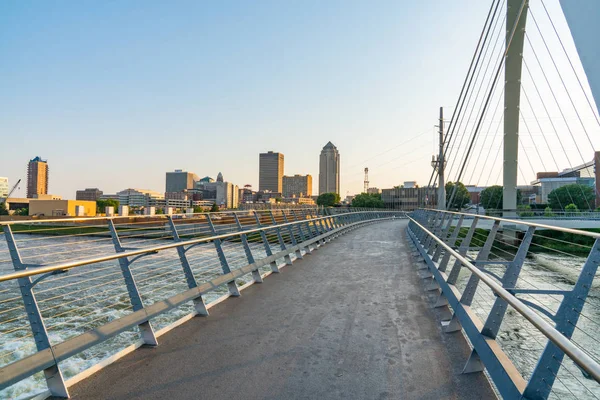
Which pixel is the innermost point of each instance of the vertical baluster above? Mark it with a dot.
(199, 304)
(146, 330)
(54, 377)
(307, 249)
(263, 235)
(292, 236)
(287, 257)
(566, 318)
(255, 272)
(233, 288)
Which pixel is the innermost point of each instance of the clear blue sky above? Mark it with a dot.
(116, 93)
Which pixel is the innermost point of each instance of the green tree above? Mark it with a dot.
(102, 204)
(461, 198)
(571, 209)
(580, 195)
(198, 209)
(525, 211)
(22, 211)
(328, 199)
(214, 208)
(3, 209)
(368, 200)
(491, 197)
(159, 211)
(548, 212)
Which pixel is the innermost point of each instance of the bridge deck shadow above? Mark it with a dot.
(349, 321)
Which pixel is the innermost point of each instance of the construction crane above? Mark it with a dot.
(2, 200)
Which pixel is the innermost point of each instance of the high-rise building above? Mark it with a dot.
(180, 180)
(221, 193)
(270, 172)
(297, 186)
(89, 194)
(37, 177)
(329, 169)
(3, 187)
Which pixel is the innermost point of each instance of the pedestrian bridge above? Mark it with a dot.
(290, 304)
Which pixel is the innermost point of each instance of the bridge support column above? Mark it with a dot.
(516, 16)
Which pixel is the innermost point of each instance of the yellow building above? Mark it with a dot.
(59, 208)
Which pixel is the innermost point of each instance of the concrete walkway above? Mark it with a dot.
(350, 321)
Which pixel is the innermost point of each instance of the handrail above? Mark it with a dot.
(574, 352)
(73, 264)
(521, 222)
(106, 218)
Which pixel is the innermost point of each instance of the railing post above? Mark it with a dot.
(233, 288)
(567, 315)
(263, 235)
(469, 292)
(146, 330)
(496, 315)
(292, 236)
(54, 378)
(301, 230)
(325, 229)
(255, 272)
(199, 304)
(443, 236)
(287, 258)
(509, 281)
(451, 242)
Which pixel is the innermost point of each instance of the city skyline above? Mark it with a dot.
(107, 113)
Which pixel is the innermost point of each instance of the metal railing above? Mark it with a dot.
(83, 289)
(524, 299)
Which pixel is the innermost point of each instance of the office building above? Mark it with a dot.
(297, 186)
(140, 198)
(37, 177)
(329, 169)
(373, 190)
(223, 194)
(180, 180)
(89, 194)
(270, 172)
(409, 199)
(3, 187)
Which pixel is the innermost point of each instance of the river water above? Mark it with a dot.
(92, 295)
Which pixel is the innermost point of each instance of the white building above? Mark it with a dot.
(3, 187)
(140, 198)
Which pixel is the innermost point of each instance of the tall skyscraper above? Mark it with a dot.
(329, 170)
(179, 180)
(37, 177)
(270, 172)
(297, 186)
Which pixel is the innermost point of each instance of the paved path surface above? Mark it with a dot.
(350, 321)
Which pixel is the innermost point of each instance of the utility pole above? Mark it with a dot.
(441, 164)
